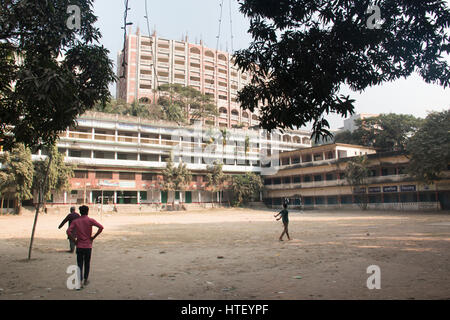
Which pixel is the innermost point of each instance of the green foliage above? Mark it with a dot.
(215, 177)
(387, 132)
(245, 188)
(49, 74)
(16, 177)
(357, 174)
(176, 178)
(58, 176)
(137, 109)
(304, 51)
(346, 137)
(429, 148)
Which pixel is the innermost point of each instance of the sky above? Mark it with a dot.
(199, 19)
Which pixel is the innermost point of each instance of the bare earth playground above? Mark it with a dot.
(234, 254)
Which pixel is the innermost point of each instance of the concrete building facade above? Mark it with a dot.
(153, 61)
(315, 177)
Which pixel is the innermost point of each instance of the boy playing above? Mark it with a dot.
(284, 215)
(83, 230)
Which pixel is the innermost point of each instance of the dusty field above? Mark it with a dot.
(175, 256)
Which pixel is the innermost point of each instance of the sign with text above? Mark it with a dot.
(390, 189)
(408, 188)
(374, 189)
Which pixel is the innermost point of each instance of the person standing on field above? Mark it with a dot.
(83, 231)
(70, 218)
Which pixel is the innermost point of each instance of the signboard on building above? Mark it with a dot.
(390, 189)
(359, 190)
(374, 189)
(127, 184)
(107, 183)
(408, 188)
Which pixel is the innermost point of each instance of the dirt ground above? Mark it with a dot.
(234, 254)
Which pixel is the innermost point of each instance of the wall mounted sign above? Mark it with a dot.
(408, 188)
(390, 189)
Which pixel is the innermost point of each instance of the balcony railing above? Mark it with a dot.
(105, 137)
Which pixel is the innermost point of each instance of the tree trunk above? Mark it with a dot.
(42, 192)
(7, 205)
(1, 207)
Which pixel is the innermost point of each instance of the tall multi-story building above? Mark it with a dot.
(152, 61)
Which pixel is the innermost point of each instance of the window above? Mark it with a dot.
(287, 180)
(103, 175)
(297, 179)
(318, 177)
(127, 176)
(149, 176)
(307, 179)
(149, 157)
(80, 174)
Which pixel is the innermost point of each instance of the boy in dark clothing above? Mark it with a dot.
(70, 218)
(284, 215)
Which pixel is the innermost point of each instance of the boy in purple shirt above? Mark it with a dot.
(69, 218)
(83, 230)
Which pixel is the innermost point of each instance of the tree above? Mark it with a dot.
(112, 106)
(357, 174)
(59, 174)
(50, 72)
(303, 51)
(203, 108)
(17, 176)
(176, 178)
(216, 179)
(245, 188)
(386, 132)
(346, 137)
(429, 148)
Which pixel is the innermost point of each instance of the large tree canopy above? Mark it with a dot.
(49, 71)
(429, 148)
(305, 50)
(386, 132)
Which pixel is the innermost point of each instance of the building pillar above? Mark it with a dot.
(138, 197)
(65, 197)
(93, 133)
(92, 154)
(115, 197)
(90, 197)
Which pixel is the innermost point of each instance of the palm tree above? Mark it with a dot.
(216, 178)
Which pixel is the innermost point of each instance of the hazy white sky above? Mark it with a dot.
(200, 20)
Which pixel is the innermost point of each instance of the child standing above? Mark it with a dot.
(284, 216)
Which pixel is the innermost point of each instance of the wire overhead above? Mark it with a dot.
(231, 29)
(153, 51)
(220, 24)
(125, 25)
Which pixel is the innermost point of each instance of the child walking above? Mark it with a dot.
(284, 215)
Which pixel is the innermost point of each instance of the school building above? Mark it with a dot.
(316, 177)
(119, 159)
